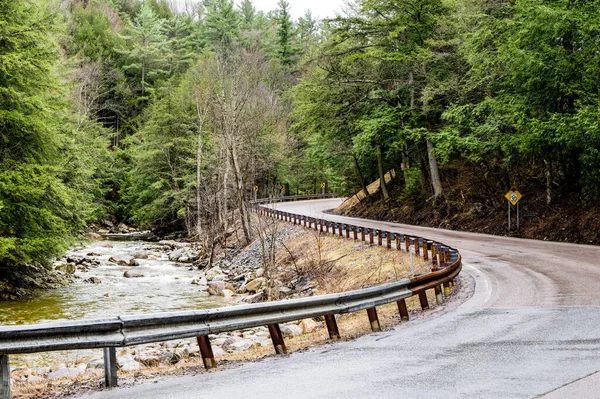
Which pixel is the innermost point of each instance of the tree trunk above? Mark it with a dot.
(240, 193)
(436, 182)
(548, 182)
(382, 184)
(363, 184)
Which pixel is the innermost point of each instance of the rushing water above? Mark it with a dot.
(166, 286)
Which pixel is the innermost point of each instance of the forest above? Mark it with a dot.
(165, 117)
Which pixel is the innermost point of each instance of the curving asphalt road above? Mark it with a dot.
(531, 328)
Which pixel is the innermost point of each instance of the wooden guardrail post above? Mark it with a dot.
(362, 234)
(373, 319)
(438, 295)
(426, 249)
(407, 243)
(417, 249)
(371, 237)
(341, 230)
(398, 248)
(402, 309)
(332, 328)
(423, 300)
(447, 288)
(208, 358)
(110, 367)
(347, 227)
(379, 238)
(4, 377)
(277, 339)
(388, 240)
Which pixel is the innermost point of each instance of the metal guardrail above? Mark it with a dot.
(133, 330)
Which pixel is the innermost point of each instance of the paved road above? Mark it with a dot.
(531, 328)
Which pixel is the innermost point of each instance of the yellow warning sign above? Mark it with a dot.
(255, 188)
(323, 185)
(513, 196)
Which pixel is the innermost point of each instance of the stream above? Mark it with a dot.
(165, 286)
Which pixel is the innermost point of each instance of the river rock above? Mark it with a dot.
(241, 345)
(308, 325)
(291, 330)
(218, 351)
(68, 268)
(212, 273)
(123, 261)
(285, 291)
(259, 272)
(92, 280)
(216, 287)
(130, 274)
(230, 341)
(148, 359)
(183, 255)
(255, 284)
(93, 254)
(226, 293)
(65, 372)
(95, 364)
(94, 236)
(128, 363)
(258, 297)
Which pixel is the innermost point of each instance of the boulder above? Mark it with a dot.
(285, 291)
(308, 325)
(230, 341)
(216, 287)
(93, 254)
(94, 236)
(128, 363)
(215, 271)
(92, 280)
(255, 284)
(241, 345)
(184, 255)
(68, 268)
(64, 372)
(218, 351)
(258, 297)
(226, 293)
(260, 272)
(291, 330)
(130, 274)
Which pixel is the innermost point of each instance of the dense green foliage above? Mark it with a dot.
(129, 110)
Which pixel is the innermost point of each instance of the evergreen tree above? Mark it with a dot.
(285, 33)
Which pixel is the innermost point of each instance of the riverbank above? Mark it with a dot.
(302, 263)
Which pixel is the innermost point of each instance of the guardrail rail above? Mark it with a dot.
(123, 331)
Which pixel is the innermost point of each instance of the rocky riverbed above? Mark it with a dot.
(112, 278)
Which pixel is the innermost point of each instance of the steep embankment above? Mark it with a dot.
(470, 206)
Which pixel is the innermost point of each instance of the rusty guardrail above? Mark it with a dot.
(122, 331)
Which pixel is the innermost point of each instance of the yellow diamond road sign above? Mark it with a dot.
(513, 196)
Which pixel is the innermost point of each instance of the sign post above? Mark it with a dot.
(255, 189)
(323, 188)
(513, 197)
(281, 190)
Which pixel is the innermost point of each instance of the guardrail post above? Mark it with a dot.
(448, 255)
(4, 377)
(341, 231)
(417, 249)
(355, 233)
(402, 309)
(110, 367)
(373, 319)
(277, 339)
(447, 288)
(362, 234)
(347, 230)
(407, 243)
(438, 295)
(208, 358)
(434, 254)
(423, 300)
(321, 223)
(426, 248)
(398, 247)
(388, 240)
(371, 237)
(332, 328)
(441, 261)
(379, 238)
